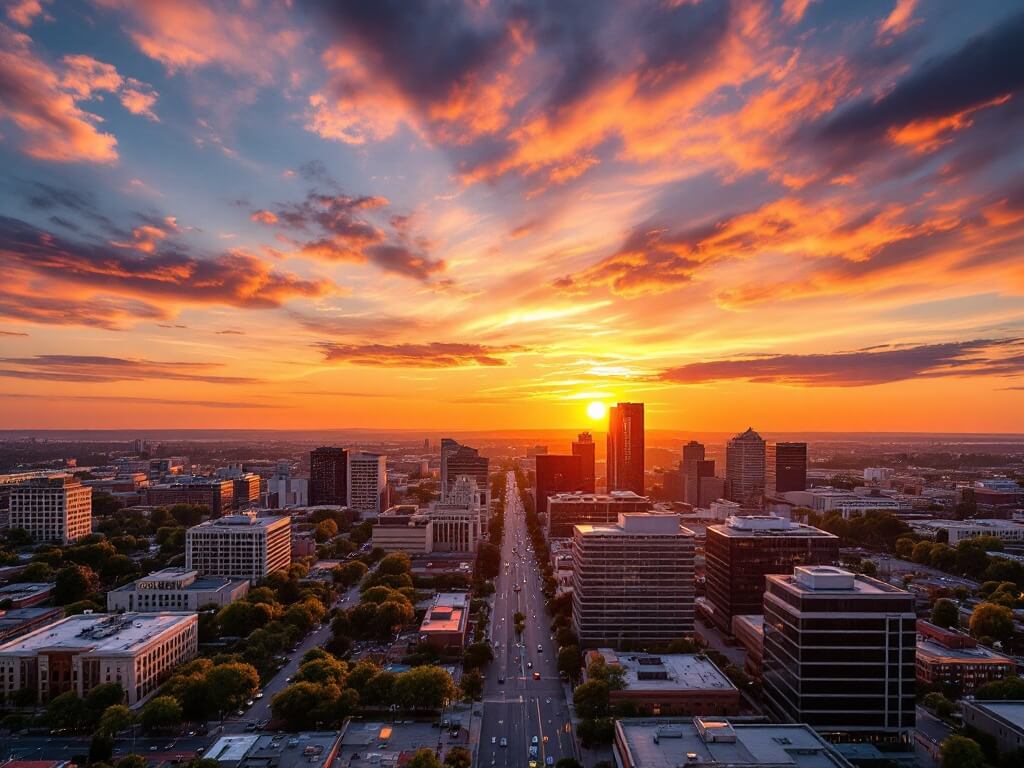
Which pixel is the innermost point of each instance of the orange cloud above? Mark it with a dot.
(899, 20)
(264, 217)
(24, 12)
(928, 134)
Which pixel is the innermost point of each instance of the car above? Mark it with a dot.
(153, 748)
(249, 703)
(501, 679)
(534, 740)
(240, 712)
(504, 741)
(259, 695)
(540, 648)
(494, 739)
(549, 760)
(533, 751)
(536, 675)
(533, 764)
(529, 665)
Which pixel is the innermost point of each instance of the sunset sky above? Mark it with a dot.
(799, 215)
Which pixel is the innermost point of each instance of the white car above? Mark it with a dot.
(494, 739)
(504, 741)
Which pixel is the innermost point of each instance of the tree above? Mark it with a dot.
(922, 552)
(378, 690)
(101, 748)
(241, 617)
(116, 567)
(991, 620)
(945, 613)
(458, 757)
(943, 557)
(423, 688)
(570, 660)
(103, 696)
(591, 699)
(37, 572)
(971, 558)
(424, 758)
(132, 761)
(73, 583)
(938, 704)
(161, 712)
(115, 719)
(472, 684)
(477, 655)
(395, 564)
(234, 683)
(905, 547)
(488, 558)
(596, 731)
(1008, 689)
(350, 573)
(67, 711)
(325, 530)
(323, 671)
(961, 752)
(296, 704)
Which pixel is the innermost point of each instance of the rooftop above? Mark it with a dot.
(98, 632)
(829, 579)
(976, 655)
(233, 522)
(1011, 712)
(598, 498)
(311, 748)
(767, 525)
(971, 524)
(668, 671)
(639, 524)
(24, 589)
(447, 613)
(180, 579)
(670, 743)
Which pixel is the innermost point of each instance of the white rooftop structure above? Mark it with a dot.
(671, 671)
(99, 633)
(958, 530)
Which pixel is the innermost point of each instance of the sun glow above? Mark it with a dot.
(596, 410)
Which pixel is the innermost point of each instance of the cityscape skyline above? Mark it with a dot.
(494, 215)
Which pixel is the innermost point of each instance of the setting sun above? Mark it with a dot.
(596, 410)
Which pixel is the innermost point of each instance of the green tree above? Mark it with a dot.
(115, 719)
(101, 748)
(132, 761)
(37, 572)
(116, 567)
(938, 704)
(971, 558)
(326, 529)
(596, 731)
(570, 660)
(67, 711)
(991, 620)
(943, 557)
(241, 617)
(73, 583)
(488, 559)
(395, 564)
(472, 684)
(945, 613)
(961, 752)
(297, 704)
(378, 690)
(234, 683)
(591, 699)
(477, 655)
(458, 757)
(905, 547)
(323, 671)
(349, 574)
(424, 758)
(423, 688)
(922, 553)
(1008, 689)
(161, 712)
(103, 696)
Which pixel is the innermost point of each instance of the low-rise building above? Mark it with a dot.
(446, 621)
(25, 594)
(15, 622)
(239, 546)
(748, 629)
(1002, 720)
(212, 492)
(955, 531)
(847, 503)
(671, 683)
(176, 589)
(566, 510)
(137, 650)
(952, 658)
(403, 528)
(714, 742)
(307, 749)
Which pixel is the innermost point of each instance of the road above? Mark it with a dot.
(62, 748)
(521, 708)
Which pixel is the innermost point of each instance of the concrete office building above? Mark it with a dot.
(704, 742)
(566, 510)
(176, 589)
(56, 508)
(556, 474)
(212, 492)
(306, 749)
(458, 523)
(586, 449)
(15, 622)
(839, 653)
(740, 553)
(745, 469)
(846, 503)
(404, 528)
(633, 581)
(246, 491)
(239, 546)
(283, 490)
(700, 486)
(786, 466)
(367, 483)
(137, 650)
(458, 460)
(328, 477)
(1002, 720)
(625, 459)
(955, 531)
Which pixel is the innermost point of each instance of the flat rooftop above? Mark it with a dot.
(597, 498)
(284, 750)
(668, 671)
(172, 578)
(976, 655)
(767, 525)
(447, 613)
(236, 522)
(100, 633)
(972, 524)
(1011, 712)
(21, 590)
(828, 583)
(637, 524)
(718, 742)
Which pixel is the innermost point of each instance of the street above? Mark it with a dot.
(521, 708)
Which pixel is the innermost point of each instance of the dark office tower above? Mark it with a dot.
(740, 553)
(556, 474)
(626, 448)
(702, 487)
(328, 476)
(839, 654)
(584, 447)
(744, 469)
(691, 470)
(448, 445)
(787, 467)
(426, 445)
(464, 460)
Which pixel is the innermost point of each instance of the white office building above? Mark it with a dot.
(56, 508)
(176, 589)
(955, 531)
(367, 483)
(239, 546)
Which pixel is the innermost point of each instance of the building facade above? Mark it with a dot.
(176, 589)
(463, 460)
(954, 659)
(404, 529)
(745, 469)
(741, 552)
(625, 460)
(328, 477)
(585, 447)
(137, 650)
(787, 467)
(556, 474)
(212, 492)
(56, 508)
(367, 483)
(839, 653)
(239, 546)
(633, 581)
(567, 510)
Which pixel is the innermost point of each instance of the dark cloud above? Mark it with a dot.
(988, 67)
(13, 333)
(233, 278)
(102, 369)
(863, 367)
(431, 355)
(173, 402)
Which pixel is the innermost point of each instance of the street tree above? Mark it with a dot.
(991, 620)
(160, 713)
(961, 752)
(945, 613)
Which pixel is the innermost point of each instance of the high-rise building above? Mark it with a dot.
(839, 653)
(459, 521)
(632, 581)
(694, 468)
(246, 491)
(56, 508)
(367, 483)
(584, 447)
(786, 467)
(625, 461)
(567, 510)
(240, 546)
(463, 460)
(328, 477)
(556, 474)
(740, 553)
(745, 469)
(448, 446)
